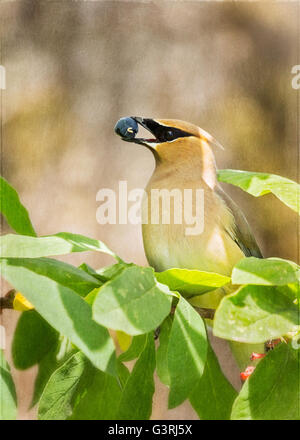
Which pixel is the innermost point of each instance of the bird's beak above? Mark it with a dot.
(150, 125)
(139, 120)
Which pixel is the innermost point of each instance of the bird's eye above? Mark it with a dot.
(169, 135)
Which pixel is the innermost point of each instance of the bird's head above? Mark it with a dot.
(172, 139)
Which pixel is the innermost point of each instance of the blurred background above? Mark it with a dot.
(74, 68)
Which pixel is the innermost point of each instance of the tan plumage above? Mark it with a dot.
(188, 162)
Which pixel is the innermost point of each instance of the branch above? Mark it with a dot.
(203, 312)
(6, 302)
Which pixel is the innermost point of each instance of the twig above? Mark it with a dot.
(203, 312)
(6, 302)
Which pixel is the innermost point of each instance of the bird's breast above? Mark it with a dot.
(199, 240)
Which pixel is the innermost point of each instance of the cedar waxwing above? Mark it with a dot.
(184, 160)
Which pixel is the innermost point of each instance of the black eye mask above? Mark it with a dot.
(163, 133)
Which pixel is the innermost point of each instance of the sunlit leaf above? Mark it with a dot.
(64, 310)
(63, 273)
(258, 184)
(268, 272)
(124, 340)
(15, 213)
(56, 400)
(256, 314)
(191, 282)
(21, 246)
(133, 302)
(272, 391)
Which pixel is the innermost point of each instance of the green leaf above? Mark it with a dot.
(57, 397)
(104, 274)
(21, 246)
(124, 340)
(46, 367)
(256, 314)
(136, 347)
(258, 184)
(78, 391)
(90, 298)
(272, 391)
(107, 273)
(268, 272)
(191, 282)
(15, 213)
(33, 339)
(186, 352)
(63, 273)
(90, 271)
(136, 400)
(54, 359)
(213, 396)
(64, 310)
(100, 400)
(162, 351)
(133, 302)
(8, 398)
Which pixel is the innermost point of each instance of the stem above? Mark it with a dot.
(203, 312)
(6, 302)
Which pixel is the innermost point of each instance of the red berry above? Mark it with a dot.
(255, 356)
(245, 374)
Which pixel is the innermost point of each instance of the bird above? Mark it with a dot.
(184, 159)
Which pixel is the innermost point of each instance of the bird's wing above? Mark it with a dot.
(241, 232)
